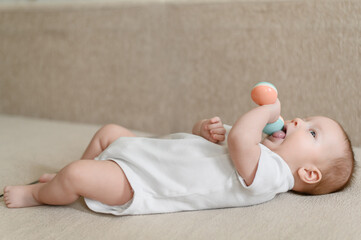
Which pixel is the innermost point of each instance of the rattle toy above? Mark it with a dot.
(264, 93)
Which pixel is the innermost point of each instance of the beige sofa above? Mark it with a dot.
(67, 67)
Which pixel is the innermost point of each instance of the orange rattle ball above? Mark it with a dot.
(264, 93)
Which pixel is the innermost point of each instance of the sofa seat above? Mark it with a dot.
(30, 147)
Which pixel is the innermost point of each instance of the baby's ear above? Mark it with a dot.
(310, 174)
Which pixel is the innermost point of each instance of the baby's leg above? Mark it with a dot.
(103, 181)
(103, 138)
(100, 141)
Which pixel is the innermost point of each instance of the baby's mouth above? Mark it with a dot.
(280, 134)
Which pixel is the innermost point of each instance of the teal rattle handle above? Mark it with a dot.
(264, 93)
(276, 126)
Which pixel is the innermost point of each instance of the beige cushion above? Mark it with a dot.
(30, 147)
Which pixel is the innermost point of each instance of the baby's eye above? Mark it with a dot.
(313, 133)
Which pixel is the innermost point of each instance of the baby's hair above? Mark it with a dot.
(339, 172)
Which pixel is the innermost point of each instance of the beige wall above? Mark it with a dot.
(159, 67)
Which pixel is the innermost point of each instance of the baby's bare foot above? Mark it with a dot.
(20, 196)
(47, 177)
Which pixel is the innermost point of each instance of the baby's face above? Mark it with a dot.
(312, 140)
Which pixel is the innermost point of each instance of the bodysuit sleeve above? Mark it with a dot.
(273, 176)
(228, 129)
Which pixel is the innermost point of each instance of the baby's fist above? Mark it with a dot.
(213, 130)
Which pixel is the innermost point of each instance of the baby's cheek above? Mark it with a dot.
(300, 146)
(268, 143)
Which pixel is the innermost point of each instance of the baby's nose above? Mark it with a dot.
(297, 122)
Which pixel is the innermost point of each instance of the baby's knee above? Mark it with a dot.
(110, 127)
(115, 130)
(73, 173)
(111, 132)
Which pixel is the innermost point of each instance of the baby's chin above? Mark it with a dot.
(272, 142)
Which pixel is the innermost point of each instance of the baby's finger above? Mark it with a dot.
(215, 119)
(218, 137)
(215, 125)
(220, 130)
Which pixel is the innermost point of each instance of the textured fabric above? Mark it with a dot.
(29, 147)
(184, 172)
(183, 60)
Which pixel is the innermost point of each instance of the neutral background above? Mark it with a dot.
(158, 66)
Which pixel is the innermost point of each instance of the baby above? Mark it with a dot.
(212, 168)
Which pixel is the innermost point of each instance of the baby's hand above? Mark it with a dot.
(213, 130)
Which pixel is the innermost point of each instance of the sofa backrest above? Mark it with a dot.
(159, 66)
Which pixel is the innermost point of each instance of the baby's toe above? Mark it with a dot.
(7, 197)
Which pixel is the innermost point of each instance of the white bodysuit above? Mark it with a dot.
(184, 172)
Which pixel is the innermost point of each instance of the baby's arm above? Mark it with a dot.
(211, 129)
(245, 136)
